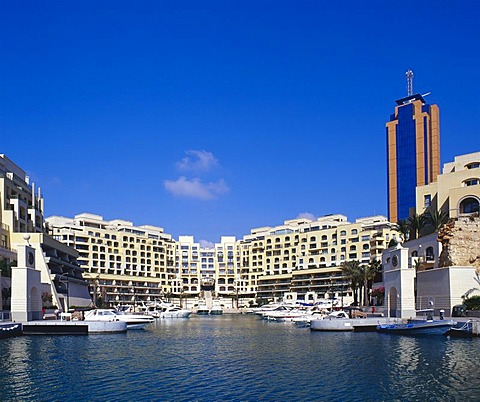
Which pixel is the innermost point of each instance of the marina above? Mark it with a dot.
(238, 358)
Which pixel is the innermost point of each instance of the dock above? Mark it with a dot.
(58, 327)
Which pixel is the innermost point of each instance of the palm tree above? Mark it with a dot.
(403, 227)
(367, 273)
(435, 219)
(351, 271)
(416, 224)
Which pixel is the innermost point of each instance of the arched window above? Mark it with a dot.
(469, 205)
(343, 233)
(310, 261)
(415, 253)
(313, 238)
(471, 182)
(429, 256)
(353, 248)
(354, 231)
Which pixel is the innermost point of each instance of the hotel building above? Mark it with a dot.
(122, 262)
(413, 153)
(134, 264)
(305, 256)
(21, 212)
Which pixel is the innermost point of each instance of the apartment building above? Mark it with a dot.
(304, 255)
(123, 263)
(21, 212)
(213, 268)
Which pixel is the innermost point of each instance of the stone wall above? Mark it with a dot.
(460, 240)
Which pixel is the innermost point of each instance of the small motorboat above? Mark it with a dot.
(417, 327)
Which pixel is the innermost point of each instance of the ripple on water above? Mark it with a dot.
(237, 359)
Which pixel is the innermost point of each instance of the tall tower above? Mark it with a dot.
(413, 151)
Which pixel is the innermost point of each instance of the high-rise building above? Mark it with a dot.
(413, 152)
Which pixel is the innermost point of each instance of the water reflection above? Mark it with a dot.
(238, 358)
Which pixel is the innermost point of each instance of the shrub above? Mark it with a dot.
(472, 303)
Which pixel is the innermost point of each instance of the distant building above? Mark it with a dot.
(305, 256)
(413, 153)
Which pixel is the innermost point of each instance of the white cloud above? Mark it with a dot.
(195, 188)
(307, 215)
(197, 161)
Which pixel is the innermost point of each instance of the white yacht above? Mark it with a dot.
(134, 321)
(174, 311)
(217, 308)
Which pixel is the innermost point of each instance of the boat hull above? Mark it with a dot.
(417, 328)
(347, 324)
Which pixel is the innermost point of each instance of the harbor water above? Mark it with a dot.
(238, 358)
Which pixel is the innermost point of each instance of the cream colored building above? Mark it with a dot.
(456, 191)
(125, 264)
(21, 212)
(305, 256)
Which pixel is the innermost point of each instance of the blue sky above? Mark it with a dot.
(211, 118)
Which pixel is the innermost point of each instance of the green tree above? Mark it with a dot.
(416, 224)
(6, 268)
(435, 219)
(352, 272)
(368, 272)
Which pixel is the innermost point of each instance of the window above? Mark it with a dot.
(354, 231)
(427, 200)
(471, 182)
(429, 256)
(469, 206)
(473, 165)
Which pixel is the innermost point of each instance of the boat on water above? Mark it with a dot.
(417, 327)
(9, 330)
(201, 308)
(174, 311)
(216, 308)
(341, 321)
(134, 321)
(468, 329)
(166, 310)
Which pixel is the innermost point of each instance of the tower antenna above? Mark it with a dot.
(409, 75)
